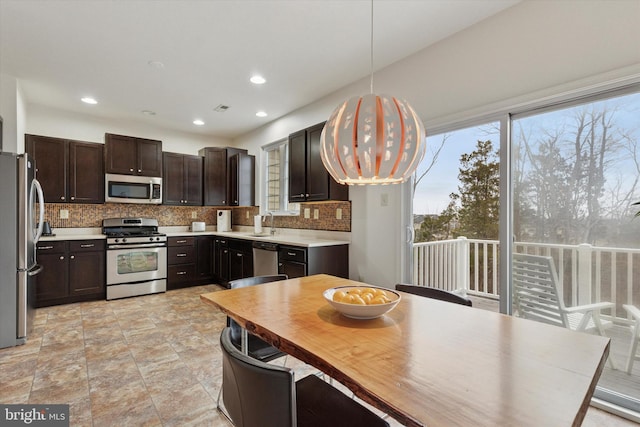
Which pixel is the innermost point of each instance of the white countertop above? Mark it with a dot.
(74, 234)
(288, 236)
(283, 236)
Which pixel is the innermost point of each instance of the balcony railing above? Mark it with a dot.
(586, 273)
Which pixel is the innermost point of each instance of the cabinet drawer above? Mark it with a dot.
(287, 253)
(181, 273)
(87, 245)
(181, 255)
(241, 245)
(181, 241)
(44, 247)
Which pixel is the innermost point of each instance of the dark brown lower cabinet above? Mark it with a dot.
(221, 260)
(87, 267)
(240, 259)
(205, 258)
(295, 261)
(52, 282)
(73, 270)
(190, 261)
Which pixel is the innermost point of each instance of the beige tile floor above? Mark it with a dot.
(144, 361)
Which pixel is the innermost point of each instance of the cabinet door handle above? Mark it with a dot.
(225, 251)
(62, 257)
(223, 202)
(61, 197)
(181, 273)
(131, 170)
(44, 248)
(72, 257)
(238, 254)
(181, 241)
(139, 170)
(181, 255)
(291, 254)
(73, 198)
(88, 245)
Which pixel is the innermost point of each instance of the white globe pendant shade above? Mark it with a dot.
(373, 139)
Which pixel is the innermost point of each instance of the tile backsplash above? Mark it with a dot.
(91, 215)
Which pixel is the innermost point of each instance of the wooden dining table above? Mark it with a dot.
(428, 362)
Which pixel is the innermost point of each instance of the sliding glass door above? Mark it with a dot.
(456, 212)
(558, 181)
(575, 176)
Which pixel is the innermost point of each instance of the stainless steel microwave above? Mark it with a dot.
(132, 189)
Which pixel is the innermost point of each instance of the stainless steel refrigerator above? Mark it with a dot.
(20, 229)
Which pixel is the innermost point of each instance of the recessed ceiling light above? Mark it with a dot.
(258, 80)
(261, 114)
(198, 122)
(149, 112)
(88, 100)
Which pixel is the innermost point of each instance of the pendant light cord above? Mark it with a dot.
(371, 59)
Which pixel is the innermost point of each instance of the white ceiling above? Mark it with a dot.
(62, 50)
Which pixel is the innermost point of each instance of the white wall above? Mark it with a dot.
(534, 49)
(47, 121)
(11, 110)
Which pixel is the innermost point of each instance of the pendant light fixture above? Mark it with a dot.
(373, 139)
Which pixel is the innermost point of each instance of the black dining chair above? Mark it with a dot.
(258, 394)
(434, 293)
(256, 347)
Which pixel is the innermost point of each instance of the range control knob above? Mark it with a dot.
(151, 238)
(124, 240)
(117, 240)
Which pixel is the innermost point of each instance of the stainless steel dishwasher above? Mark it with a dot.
(265, 258)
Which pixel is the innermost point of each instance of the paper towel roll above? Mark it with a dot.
(257, 224)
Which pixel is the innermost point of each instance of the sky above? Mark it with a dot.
(432, 194)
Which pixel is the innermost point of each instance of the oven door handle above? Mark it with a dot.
(138, 245)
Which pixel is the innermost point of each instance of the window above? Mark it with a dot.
(570, 175)
(275, 194)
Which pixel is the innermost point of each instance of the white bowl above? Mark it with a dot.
(357, 311)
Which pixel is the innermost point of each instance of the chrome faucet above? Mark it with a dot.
(273, 230)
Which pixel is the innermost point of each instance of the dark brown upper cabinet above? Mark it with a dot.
(182, 179)
(220, 186)
(69, 171)
(242, 178)
(127, 155)
(308, 178)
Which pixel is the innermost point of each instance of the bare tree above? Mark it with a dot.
(562, 171)
(435, 153)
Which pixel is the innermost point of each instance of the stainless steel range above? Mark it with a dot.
(136, 257)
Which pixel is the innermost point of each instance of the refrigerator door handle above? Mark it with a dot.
(38, 188)
(35, 270)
